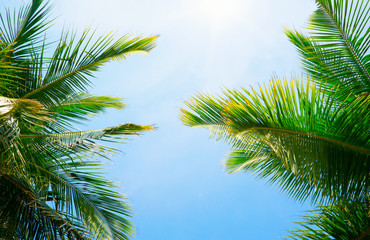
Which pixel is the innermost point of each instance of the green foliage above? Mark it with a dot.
(309, 137)
(293, 134)
(50, 179)
(336, 52)
(342, 221)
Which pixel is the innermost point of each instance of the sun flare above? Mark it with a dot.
(219, 11)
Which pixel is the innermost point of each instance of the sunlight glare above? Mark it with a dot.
(219, 12)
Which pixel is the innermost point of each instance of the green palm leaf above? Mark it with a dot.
(73, 140)
(80, 107)
(294, 135)
(68, 70)
(25, 214)
(8, 72)
(102, 210)
(50, 187)
(343, 221)
(22, 32)
(336, 51)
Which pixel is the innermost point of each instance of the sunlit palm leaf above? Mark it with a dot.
(72, 63)
(43, 165)
(294, 135)
(336, 53)
(74, 139)
(80, 107)
(206, 112)
(22, 32)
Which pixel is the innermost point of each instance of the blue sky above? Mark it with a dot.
(173, 176)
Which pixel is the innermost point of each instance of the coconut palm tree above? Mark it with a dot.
(51, 185)
(309, 136)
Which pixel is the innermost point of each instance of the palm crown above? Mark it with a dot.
(308, 136)
(51, 185)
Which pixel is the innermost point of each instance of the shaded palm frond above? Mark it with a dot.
(66, 191)
(9, 78)
(15, 115)
(83, 192)
(343, 221)
(25, 213)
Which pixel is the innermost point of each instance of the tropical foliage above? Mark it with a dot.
(309, 136)
(342, 221)
(51, 185)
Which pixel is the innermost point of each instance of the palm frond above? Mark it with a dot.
(336, 53)
(206, 111)
(81, 191)
(68, 70)
(9, 78)
(295, 135)
(343, 221)
(22, 31)
(17, 115)
(47, 190)
(25, 214)
(81, 106)
(73, 139)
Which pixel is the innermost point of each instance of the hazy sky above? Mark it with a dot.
(174, 176)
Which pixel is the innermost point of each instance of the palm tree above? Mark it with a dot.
(51, 185)
(309, 136)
